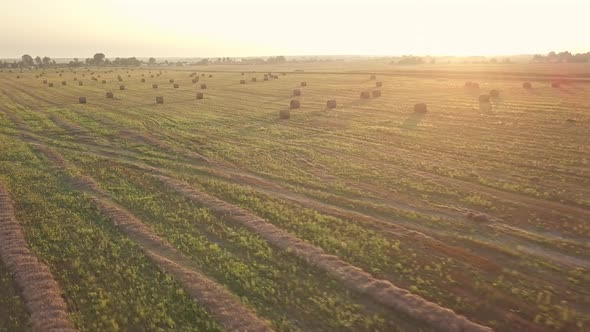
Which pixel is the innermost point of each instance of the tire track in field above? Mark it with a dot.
(381, 291)
(215, 298)
(39, 289)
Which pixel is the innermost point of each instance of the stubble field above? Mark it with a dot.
(215, 214)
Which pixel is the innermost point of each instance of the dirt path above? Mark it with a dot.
(40, 291)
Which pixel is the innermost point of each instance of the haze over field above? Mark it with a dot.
(73, 28)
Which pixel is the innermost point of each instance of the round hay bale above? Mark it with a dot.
(365, 95)
(80, 83)
(50, 85)
(266, 78)
(64, 83)
(82, 100)
(284, 74)
(242, 73)
(331, 103)
(75, 78)
(294, 104)
(484, 98)
(527, 85)
(376, 93)
(195, 80)
(296, 92)
(203, 75)
(373, 77)
(242, 81)
(200, 95)
(203, 86)
(121, 87)
(472, 85)
(176, 85)
(275, 77)
(420, 108)
(253, 79)
(555, 85)
(104, 82)
(159, 100)
(44, 81)
(378, 84)
(210, 75)
(265, 75)
(284, 114)
(494, 93)
(110, 95)
(303, 83)
(143, 80)
(171, 80)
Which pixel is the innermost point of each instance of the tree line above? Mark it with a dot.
(565, 56)
(100, 59)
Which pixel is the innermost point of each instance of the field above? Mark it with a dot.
(215, 214)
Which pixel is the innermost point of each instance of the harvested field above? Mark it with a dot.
(369, 214)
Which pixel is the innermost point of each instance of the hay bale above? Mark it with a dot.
(571, 121)
(420, 108)
(210, 75)
(275, 77)
(176, 86)
(296, 92)
(171, 80)
(478, 217)
(303, 84)
(203, 75)
(484, 98)
(75, 78)
(159, 100)
(266, 78)
(121, 87)
(284, 114)
(154, 86)
(104, 82)
(110, 95)
(555, 85)
(365, 95)
(373, 77)
(253, 79)
(64, 83)
(195, 80)
(378, 84)
(376, 93)
(50, 85)
(242, 81)
(472, 85)
(331, 103)
(203, 86)
(494, 93)
(143, 80)
(80, 83)
(200, 95)
(294, 104)
(44, 81)
(527, 85)
(265, 75)
(82, 100)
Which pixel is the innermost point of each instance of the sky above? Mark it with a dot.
(235, 28)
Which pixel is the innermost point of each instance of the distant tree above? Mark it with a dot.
(152, 61)
(38, 61)
(46, 61)
(99, 58)
(27, 60)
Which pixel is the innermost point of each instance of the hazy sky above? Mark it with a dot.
(80, 28)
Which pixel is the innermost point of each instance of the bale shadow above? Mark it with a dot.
(412, 121)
